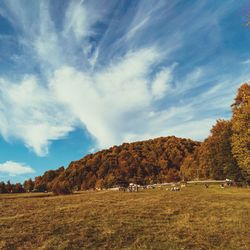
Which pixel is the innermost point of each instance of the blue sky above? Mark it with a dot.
(79, 76)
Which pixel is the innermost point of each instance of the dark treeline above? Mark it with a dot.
(40, 184)
(11, 188)
(224, 154)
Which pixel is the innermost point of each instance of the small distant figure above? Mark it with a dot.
(222, 185)
(229, 183)
(133, 187)
(175, 189)
(206, 185)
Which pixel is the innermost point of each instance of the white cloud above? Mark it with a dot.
(162, 82)
(30, 113)
(101, 101)
(77, 20)
(46, 42)
(15, 168)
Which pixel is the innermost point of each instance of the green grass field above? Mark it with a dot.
(194, 218)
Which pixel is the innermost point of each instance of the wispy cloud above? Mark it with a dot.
(246, 62)
(122, 70)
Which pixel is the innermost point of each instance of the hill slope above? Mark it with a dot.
(143, 162)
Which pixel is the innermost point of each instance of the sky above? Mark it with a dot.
(79, 76)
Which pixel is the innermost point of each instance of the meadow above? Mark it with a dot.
(194, 218)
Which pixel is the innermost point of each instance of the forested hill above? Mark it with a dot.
(143, 162)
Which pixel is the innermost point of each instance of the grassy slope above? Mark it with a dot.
(195, 218)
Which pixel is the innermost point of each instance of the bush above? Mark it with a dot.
(61, 188)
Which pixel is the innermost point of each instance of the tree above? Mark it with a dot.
(225, 165)
(213, 159)
(61, 187)
(241, 129)
(190, 167)
(3, 189)
(18, 188)
(28, 185)
(173, 175)
(39, 185)
(9, 187)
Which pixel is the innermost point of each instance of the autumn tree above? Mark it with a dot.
(241, 129)
(28, 185)
(9, 187)
(213, 159)
(3, 189)
(39, 185)
(18, 188)
(173, 175)
(61, 188)
(190, 167)
(224, 164)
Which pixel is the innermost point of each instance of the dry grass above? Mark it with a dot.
(194, 218)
